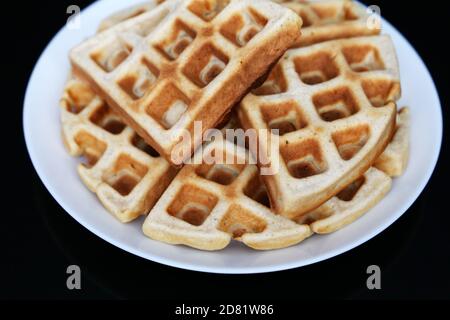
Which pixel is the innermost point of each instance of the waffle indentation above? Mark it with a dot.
(303, 159)
(362, 58)
(140, 143)
(222, 170)
(275, 83)
(140, 81)
(241, 28)
(332, 14)
(125, 174)
(207, 9)
(112, 55)
(180, 38)
(350, 141)
(168, 106)
(92, 148)
(307, 21)
(351, 190)
(284, 117)
(207, 63)
(256, 190)
(380, 92)
(192, 204)
(239, 221)
(316, 68)
(80, 96)
(335, 104)
(106, 119)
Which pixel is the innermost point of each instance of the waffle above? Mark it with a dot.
(211, 202)
(361, 195)
(332, 104)
(126, 174)
(348, 205)
(184, 61)
(394, 159)
(351, 203)
(325, 20)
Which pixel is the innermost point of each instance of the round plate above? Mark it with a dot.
(58, 170)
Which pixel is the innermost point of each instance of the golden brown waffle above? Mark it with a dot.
(332, 103)
(184, 61)
(325, 20)
(349, 204)
(210, 202)
(126, 174)
(394, 159)
(361, 195)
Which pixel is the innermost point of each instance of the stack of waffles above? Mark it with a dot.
(254, 120)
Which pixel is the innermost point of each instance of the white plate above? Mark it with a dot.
(58, 170)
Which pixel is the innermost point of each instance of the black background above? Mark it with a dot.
(39, 240)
